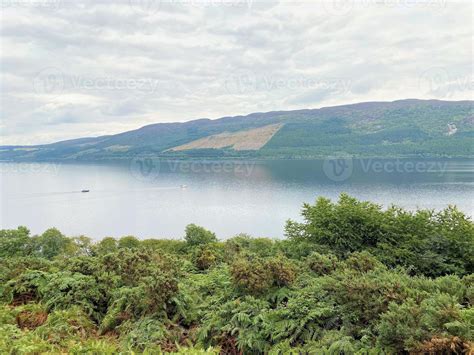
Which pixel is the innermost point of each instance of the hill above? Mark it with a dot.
(399, 128)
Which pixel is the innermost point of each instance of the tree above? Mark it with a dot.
(106, 245)
(128, 242)
(51, 243)
(15, 242)
(196, 235)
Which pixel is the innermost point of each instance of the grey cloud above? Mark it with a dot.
(212, 58)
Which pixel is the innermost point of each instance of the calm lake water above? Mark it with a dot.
(148, 198)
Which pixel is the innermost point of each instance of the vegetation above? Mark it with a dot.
(404, 128)
(352, 278)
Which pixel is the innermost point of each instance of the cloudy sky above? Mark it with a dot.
(86, 68)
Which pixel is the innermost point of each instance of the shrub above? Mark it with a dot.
(205, 259)
(143, 333)
(425, 242)
(362, 262)
(64, 325)
(399, 328)
(149, 277)
(363, 297)
(303, 317)
(468, 282)
(236, 325)
(65, 289)
(15, 341)
(283, 271)
(7, 314)
(434, 325)
(254, 276)
(351, 279)
(165, 245)
(94, 346)
(322, 264)
(24, 288)
(31, 316)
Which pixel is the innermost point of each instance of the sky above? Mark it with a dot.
(73, 69)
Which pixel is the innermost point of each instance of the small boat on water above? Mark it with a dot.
(85, 191)
(184, 186)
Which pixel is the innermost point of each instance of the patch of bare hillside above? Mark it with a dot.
(252, 139)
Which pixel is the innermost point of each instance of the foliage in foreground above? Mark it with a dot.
(351, 279)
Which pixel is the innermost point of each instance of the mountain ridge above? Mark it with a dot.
(409, 127)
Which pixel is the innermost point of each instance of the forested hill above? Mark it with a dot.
(400, 128)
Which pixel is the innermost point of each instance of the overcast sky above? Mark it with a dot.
(73, 69)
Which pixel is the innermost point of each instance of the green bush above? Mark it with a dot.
(322, 264)
(25, 288)
(424, 242)
(351, 279)
(65, 325)
(253, 275)
(64, 289)
(145, 332)
(436, 321)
